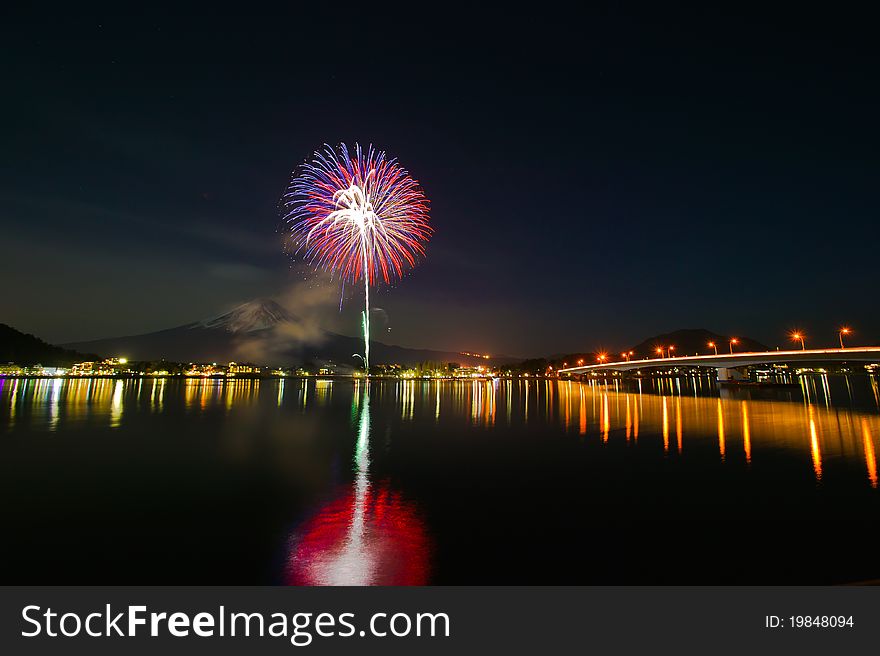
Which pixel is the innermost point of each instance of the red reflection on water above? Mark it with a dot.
(371, 536)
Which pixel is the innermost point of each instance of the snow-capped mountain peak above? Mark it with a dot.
(258, 314)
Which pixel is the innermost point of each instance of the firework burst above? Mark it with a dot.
(358, 215)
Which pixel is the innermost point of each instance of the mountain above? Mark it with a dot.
(24, 349)
(246, 318)
(693, 340)
(262, 332)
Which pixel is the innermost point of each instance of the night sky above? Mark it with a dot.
(594, 179)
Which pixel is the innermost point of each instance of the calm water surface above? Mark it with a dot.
(411, 482)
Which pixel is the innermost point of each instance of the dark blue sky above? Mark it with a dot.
(594, 179)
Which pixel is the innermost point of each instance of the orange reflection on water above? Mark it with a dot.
(565, 394)
(747, 433)
(483, 402)
(720, 430)
(679, 431)
(636, 412)
(814, 444)
(582, 412)
(870, 459)
(665, 427)
(606, 420)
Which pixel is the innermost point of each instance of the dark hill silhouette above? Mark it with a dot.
(694, 340)
(24, 349)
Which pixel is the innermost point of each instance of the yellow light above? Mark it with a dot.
(123, 360)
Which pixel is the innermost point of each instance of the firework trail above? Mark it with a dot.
(358, 215)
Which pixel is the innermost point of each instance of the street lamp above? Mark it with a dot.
(580, 362)
(714, 346)
(733, 340)
(669, 351)
(843, 331)
(798, 336)
(659, 350)
(602, 357)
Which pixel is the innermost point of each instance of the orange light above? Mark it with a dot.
(845, 331)
(602, 357)
(712, 344)
(659, 349)
(734, 340)
(581, 361)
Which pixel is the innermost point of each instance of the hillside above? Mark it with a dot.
(24, 349)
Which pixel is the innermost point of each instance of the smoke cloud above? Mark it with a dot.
(310, 308)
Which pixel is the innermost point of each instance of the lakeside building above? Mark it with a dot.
(243, 369)
(204, 370)
(36, 370)
(107, 367)
(472, 372)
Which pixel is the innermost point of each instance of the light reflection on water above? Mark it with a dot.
(368, 535)
(678, 413)
(366, 519)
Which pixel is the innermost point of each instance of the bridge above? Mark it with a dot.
(727, 364)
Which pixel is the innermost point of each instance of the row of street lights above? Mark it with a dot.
(798, 336)
(733, 341)
(666, 352)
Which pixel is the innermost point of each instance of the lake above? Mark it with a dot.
(523, 481)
